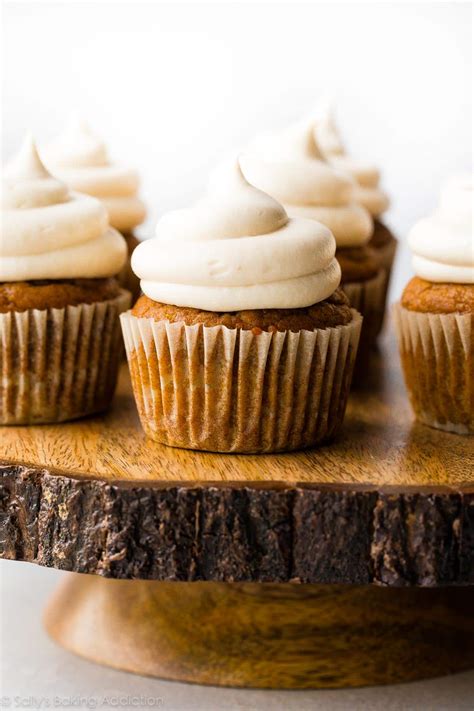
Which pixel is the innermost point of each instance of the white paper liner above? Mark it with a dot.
(228, 390)
(126, 277)
(437, 358)
(367, 297)
(59, 364)
(386, 254)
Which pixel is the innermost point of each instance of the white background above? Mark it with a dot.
(175, 87)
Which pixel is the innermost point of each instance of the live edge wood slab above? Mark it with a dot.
(389, 502)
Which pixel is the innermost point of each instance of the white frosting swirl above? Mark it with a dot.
(289, 167)
(368, 192)
(237, 249)
(443, 244)
(49, 233)
(80, 159)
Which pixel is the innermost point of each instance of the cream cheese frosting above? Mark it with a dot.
(80, 159)
(368, 192)
(443, 244)
(237, 249)
(290, 167)
(48, 232)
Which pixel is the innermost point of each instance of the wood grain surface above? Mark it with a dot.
(389, 502)
(380, 445)
(278, 636)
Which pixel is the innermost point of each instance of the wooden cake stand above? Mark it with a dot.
(343, 566)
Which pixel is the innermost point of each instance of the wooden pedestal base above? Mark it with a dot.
(265, 635)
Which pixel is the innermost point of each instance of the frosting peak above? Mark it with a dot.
(48, 232)
(290, 167)
(326, 134)
(80, 158)
(367, 176)
(237, 249)
(27, 183)
(231, 209)
(27, 163)
(296, 140)
(77, 146)
(443, 244)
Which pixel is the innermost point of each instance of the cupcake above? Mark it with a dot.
(242, 341)
(436, 315)
(289, 167)
(59, 303)
(79, 158)
(368, 192)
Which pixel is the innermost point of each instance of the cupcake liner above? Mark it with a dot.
(386, 254)
(59, 364)
(126, 277)
(367, 297)
(230, 390)
(437, 357)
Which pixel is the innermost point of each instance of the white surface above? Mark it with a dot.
(36, 670)
(174, 88)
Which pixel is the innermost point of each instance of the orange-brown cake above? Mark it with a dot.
(333, 311)
(242, 341)
(438, 298)
(435, 319)
(55, 294)
(358, 264)
(382, 236)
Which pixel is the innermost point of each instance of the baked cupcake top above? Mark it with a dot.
(367, 176)
(79, 158)
(443, 244)
(290, 167)
(237, 249)
(48, 232)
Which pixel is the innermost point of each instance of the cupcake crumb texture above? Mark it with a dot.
(55, 294)
(333, 311)
(357, 263)
(438, 298)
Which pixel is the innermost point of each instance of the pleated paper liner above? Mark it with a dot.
(126, 277)
(438, 364)
(59, 364)
(129, 281)
(367, 297)
(386, 255)
(229, 390)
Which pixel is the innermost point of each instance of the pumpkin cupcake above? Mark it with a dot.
(80, 159)
(435, 318)
(242, 341)
(368, 192)
(59, 303)
(289, 167)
